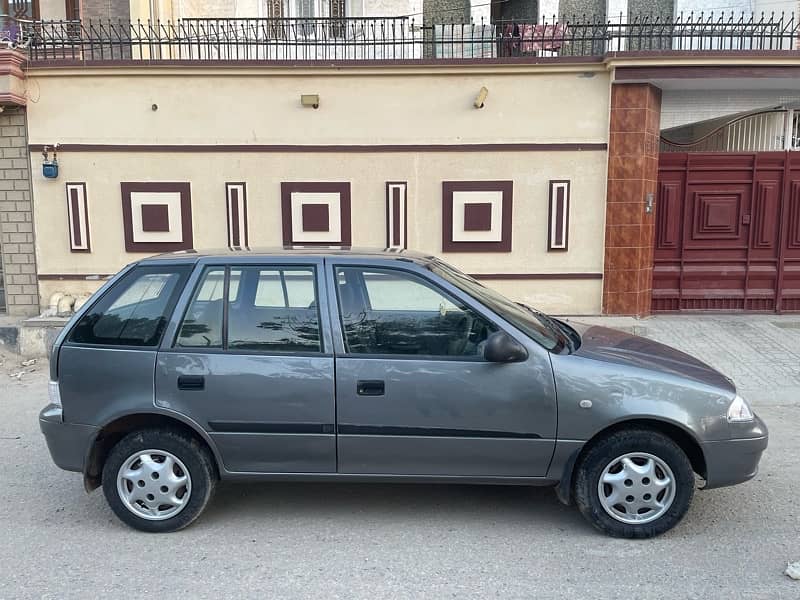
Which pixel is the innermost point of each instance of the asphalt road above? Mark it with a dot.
(388, 541)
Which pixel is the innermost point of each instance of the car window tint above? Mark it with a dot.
(269, 291)
(283, 287)
(202, 323)
(388, 291)
(135, 311)
(299, 289)
(386, 311)
(233, 285)
(275, 311)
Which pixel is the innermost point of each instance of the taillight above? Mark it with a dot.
(54, 393)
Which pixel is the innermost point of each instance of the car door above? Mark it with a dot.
(415, 395)
(250, 361)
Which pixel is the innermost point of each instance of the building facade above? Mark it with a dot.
(568, 166)
(384, 143)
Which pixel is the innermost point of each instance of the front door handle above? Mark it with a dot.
(191, 382)
(370, 388)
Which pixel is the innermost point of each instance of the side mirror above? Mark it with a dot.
(502, 348)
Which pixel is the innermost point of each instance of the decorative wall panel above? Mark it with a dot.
(396, 214)
(316, 213)
(78, 217)
(157, 216)
(558, 231)
(236, 211)
(476, 216)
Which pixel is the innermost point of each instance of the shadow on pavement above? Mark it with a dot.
(442, 502)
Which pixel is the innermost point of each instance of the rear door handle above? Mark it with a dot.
(191, 382)
(370, 388)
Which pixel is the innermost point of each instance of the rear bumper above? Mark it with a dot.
(68, 443)
(733, 461)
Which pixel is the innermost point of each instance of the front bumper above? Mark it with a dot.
(733, 461)
(68, 443)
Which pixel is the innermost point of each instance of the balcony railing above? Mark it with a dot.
(394, 38)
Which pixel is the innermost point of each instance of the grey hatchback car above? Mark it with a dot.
(347, 365)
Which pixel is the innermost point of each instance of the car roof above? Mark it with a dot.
(193, 255)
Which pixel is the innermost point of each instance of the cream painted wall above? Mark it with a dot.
(386, 106)
(359, 107)
(367, 173)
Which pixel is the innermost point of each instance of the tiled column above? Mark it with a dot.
(16, 216)
(632, 175)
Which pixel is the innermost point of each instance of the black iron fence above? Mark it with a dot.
(394, 38)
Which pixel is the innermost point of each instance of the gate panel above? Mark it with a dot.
(668, 232)
(724, 232)
(790, 249)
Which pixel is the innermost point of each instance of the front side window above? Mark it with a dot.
(534, 324)
(274, 310)
(385, 311)
(135, 311)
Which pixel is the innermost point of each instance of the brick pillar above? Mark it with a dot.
(632, 175)
(16, 216)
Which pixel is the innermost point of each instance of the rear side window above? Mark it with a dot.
(135, 311)
(274, 311)
(202, 324)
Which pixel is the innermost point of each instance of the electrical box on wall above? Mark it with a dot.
(50, 169)
(50, 165)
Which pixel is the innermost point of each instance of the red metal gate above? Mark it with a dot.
(727, 232)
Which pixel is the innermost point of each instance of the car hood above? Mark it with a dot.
(624, 349)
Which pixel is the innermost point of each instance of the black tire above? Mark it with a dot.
(604, 451)
(190, 452)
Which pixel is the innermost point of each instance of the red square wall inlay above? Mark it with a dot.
(478, 217)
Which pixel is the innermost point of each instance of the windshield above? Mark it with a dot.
(538, 326)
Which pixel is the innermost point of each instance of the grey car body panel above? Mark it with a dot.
(441, 420)
(446, 417)
(98, 384)
(611, 370)
(265, 412)
(67, 442)
(261, 411)
(734, 461)
(632, 351)
(442, 417)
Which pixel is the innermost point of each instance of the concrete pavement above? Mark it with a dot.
(417, 541)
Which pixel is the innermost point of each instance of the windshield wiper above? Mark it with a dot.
(552, 324)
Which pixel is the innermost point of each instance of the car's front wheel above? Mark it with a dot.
(158, 480)
(634, 483)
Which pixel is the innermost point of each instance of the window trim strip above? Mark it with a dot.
(226, 288)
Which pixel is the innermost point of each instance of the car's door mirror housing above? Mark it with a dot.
(502, 348)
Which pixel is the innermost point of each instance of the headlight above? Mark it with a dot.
(54, 392)
(739, 411)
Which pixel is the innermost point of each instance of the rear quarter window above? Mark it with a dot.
(135, 311)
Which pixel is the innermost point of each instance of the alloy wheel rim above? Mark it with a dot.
(636, 488)
(154, 484)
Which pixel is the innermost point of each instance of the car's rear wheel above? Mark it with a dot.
(158, 480)
(634, 483)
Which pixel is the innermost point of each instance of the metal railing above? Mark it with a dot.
(760, 131)
(394, 38)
